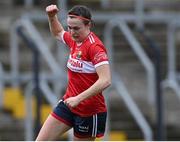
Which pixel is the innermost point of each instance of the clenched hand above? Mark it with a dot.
(52, 10)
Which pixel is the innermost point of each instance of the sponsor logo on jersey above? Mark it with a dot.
(75, 63)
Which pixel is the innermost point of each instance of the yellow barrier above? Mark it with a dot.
(118, 136)
(13, 101)
(11, 97)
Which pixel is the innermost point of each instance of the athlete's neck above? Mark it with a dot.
(85, 36)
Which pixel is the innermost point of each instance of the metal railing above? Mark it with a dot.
(157, 60)
(143, 58)
(50, 97)
(57, 72)
(26, 26)
(122, 90)
(133, 108)
(172, 77)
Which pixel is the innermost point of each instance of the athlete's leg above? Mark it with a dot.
(51, 129)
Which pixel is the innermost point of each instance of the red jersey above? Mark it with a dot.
(83, 60)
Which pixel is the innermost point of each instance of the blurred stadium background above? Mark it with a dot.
(142, 37)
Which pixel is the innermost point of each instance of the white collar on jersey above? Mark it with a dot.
(79, 44)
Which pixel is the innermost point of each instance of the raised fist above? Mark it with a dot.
(52, 10)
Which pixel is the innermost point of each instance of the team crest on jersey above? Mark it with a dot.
(79, 55)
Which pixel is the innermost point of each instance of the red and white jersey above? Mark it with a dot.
(82, 63)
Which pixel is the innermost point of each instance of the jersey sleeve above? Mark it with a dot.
(98, 56)
(66, 39)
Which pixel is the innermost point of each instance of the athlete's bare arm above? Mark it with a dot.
(55, 26)
(103, 82)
